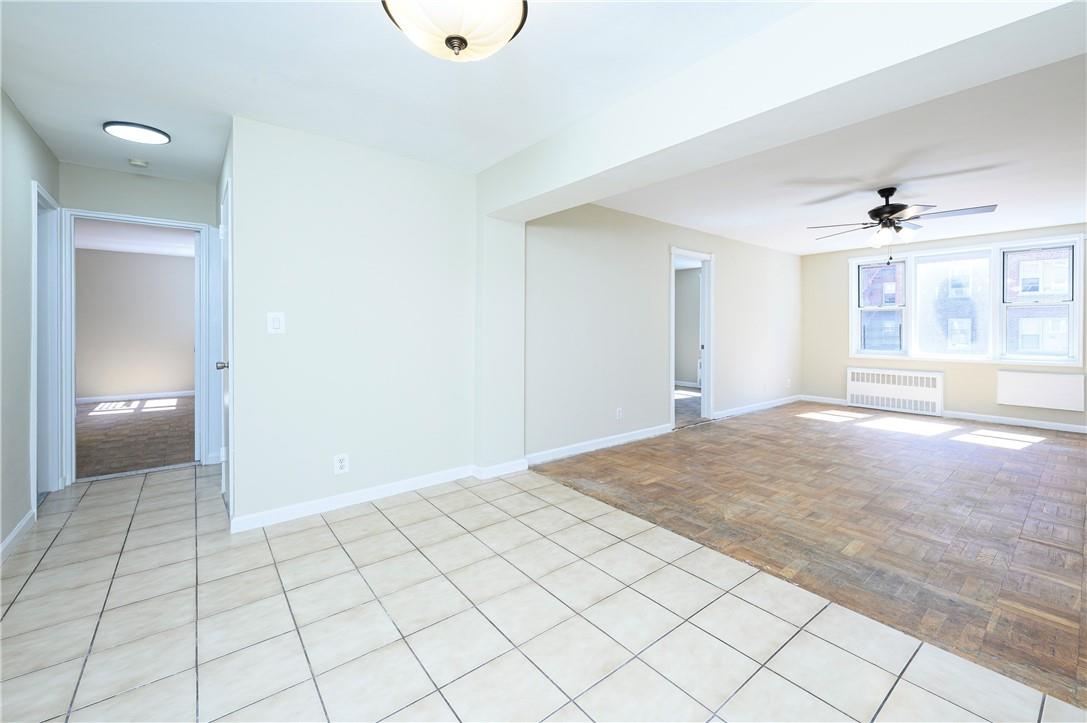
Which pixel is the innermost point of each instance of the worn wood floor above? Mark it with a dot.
(688, 403)
(126, 436)
(965, 535)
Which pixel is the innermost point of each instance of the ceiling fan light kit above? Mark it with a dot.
(894, 222)
(458, 30)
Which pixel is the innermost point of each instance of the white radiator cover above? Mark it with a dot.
(896, 390)
(1041, 390)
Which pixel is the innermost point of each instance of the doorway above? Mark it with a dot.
(691, 343)
(130, 351)
(135, 331)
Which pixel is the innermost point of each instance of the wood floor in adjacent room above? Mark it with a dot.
(969, 536)
(136, 434)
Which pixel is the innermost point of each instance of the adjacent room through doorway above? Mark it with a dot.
(688, 343)
(134, 353)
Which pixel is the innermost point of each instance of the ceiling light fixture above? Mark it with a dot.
(136, 132)
(460, 30)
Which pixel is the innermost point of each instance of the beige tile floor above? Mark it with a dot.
(499, 600)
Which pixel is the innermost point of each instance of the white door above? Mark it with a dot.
(225, 241)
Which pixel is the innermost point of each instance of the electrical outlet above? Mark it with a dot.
(788, 383)
(618, 413)
(340, 464)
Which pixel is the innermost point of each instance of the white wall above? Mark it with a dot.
(25, 158)
(134, 194)
(135, 323)
(371, 257)
(597, 306)
(688, 300)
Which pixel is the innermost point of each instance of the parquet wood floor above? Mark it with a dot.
(975, 548)
(134, 435)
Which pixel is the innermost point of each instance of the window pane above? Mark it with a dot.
(953, 306)
(1038, 331)
(882, 284)
(1038, 275)
(881, 330)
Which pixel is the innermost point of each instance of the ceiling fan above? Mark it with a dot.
(891, 218)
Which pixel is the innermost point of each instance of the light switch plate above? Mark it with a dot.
(277, 322)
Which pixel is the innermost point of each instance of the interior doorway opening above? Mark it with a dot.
(690, 384)
(135, 330)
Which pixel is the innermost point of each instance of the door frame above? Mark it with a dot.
(39, 199)
(201, 302)
(705, 328)
(226, 312)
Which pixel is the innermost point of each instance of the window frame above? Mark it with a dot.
(998, 307)
(901, 295)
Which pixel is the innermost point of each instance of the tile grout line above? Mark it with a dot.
(396, 625)
(895, 683)
(534, 580)
(297, 632)
(105, 600)
(46, 552)
(196, 589)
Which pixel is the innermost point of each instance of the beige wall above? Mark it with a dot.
(134, 323)
(95, 189)
(688, 297)
(371, 257)
(25, 158)
(597, 324)
(968, 386)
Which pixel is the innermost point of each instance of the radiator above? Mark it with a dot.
(896, 390)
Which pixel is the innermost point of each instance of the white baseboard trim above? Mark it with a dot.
(756, 407)
(242, 523)
(984, 418)
(821, 400)
(594, 444)
(13, 537)
(1017, 422)
(497, 470)
(690, 385)
(132, 397)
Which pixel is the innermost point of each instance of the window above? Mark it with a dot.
(953, 308)
(1038, 303)
(1015, 302)
(882, 300)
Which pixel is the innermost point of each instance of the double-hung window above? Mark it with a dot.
(998, 302)
(1037, 304)
(882, 301)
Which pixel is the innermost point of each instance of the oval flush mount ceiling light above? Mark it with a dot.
(458, 30)
(136, 132)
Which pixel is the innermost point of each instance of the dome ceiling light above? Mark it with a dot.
(458, 30)
(136, 132)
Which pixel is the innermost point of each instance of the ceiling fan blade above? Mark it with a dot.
(912, 211)
(907, 224)
(836, 225)
(839, 233)
(957, 212)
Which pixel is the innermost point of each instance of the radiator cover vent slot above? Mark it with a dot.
(896, 390)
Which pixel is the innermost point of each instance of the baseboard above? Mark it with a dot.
(594, 444)
(368, 494)
(756, 407)
(984, 418)
(689, 385)
(1017, 422)
(820, 400)
(497, 470)
(133, 397)
(13, 537)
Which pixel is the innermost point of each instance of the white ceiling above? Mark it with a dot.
(138, 238)
(339, 69)
(1020, 142)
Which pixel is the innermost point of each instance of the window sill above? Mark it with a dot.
(1003, 361)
